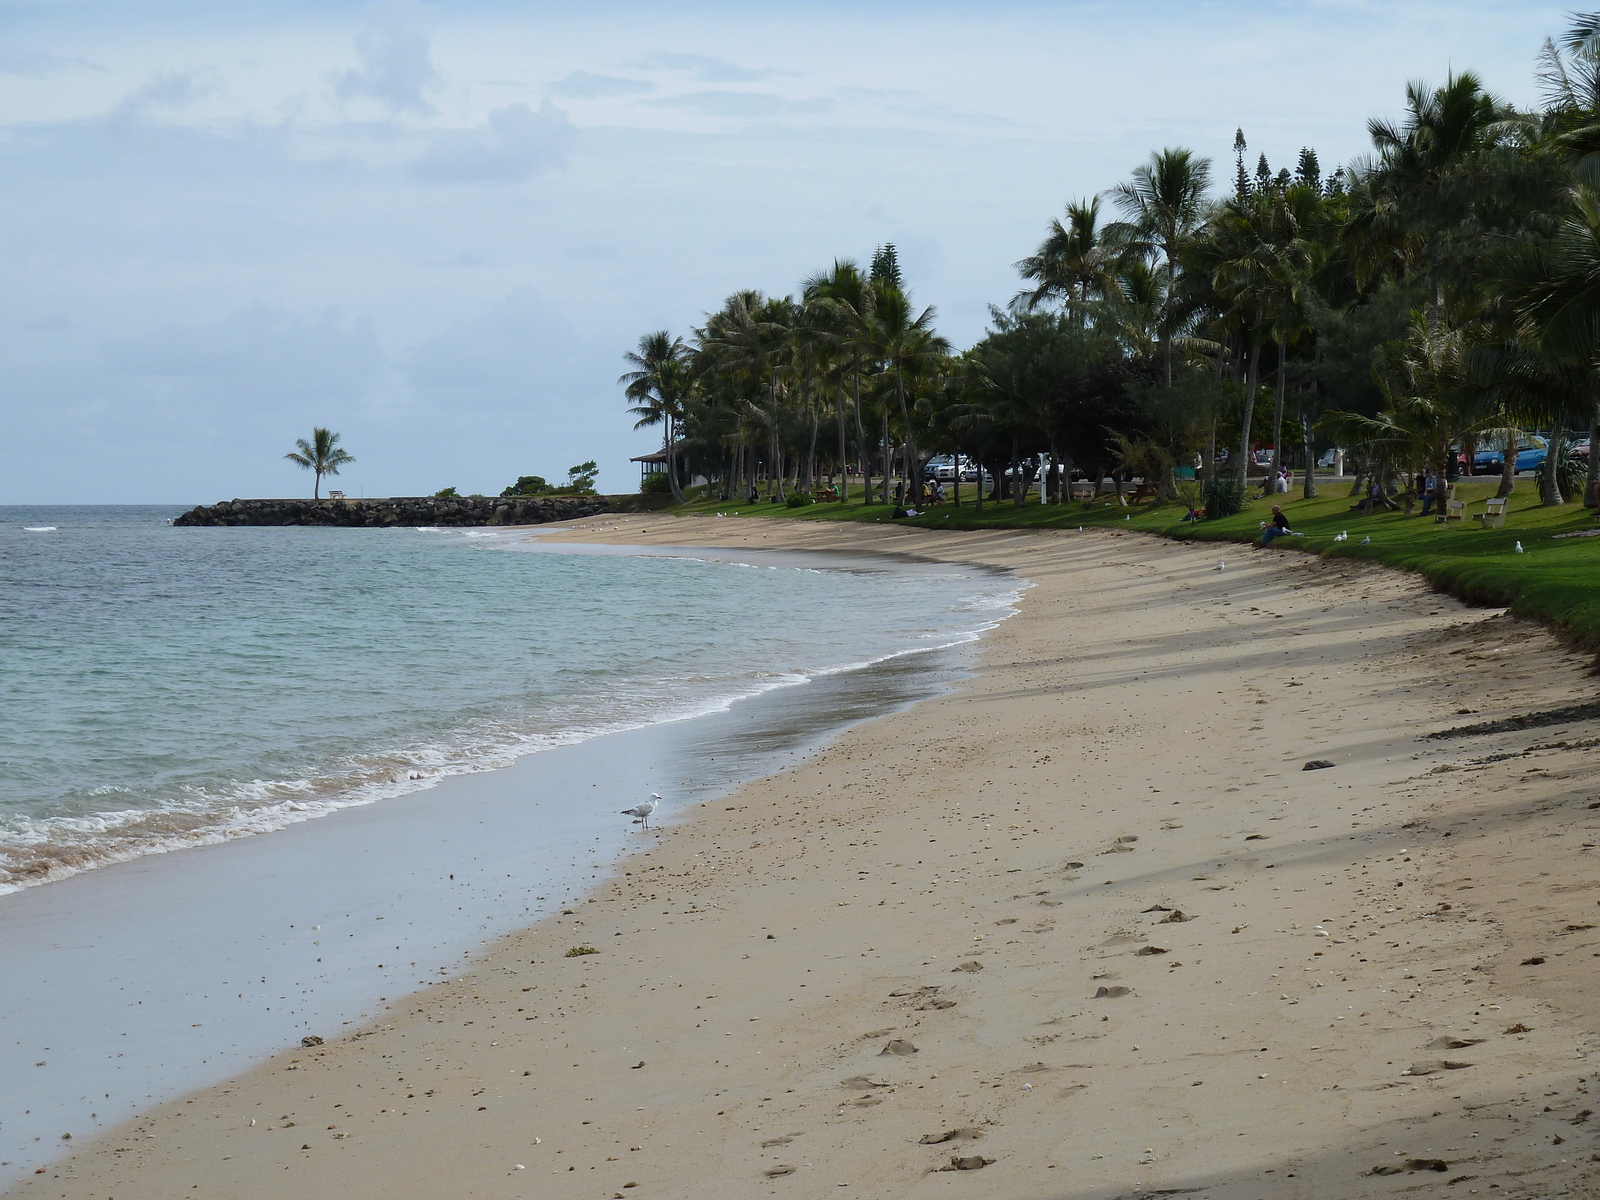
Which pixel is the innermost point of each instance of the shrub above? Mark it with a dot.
(655, 485)
(799, 500)
(578, 951)
(448, 493)
(1224, 497)
(529, 485)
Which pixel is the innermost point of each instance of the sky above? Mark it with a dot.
(436, 228)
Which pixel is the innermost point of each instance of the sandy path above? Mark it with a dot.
(995, 878)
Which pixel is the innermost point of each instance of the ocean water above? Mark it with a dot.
(163, 688)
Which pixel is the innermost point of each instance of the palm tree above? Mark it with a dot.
(321, 454)
(657, 386)
(904, 343)
(834, 303)
(1075, 262)
(1165, 205)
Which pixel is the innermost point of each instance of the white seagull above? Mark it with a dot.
(1366, 541)
(1220, 566)
(1519, 547)
(1343, 535)
(641, 812)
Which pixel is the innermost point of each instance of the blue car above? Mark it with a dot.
(1531, 453)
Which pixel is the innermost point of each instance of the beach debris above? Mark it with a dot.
(1146, 951)
(1176, 917)
(576, 951)
(1319, 931)
(779, 1170)
(1536, 961)
(970, 966)
(967, 1162)
(964, 1134)
(1317, 764)
(1111, 993)
(1411, 1164)
(641, 812)
(311, 1040)
(861, 1083)
(636, 1066)
(1519, 1027)
(897, 1046)
(936, 1002)
(1451, 1042)
(778, 1141)
(1155, 908)
(1434, 1067)
(1073, 866)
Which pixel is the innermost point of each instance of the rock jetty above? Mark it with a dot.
(399, 510)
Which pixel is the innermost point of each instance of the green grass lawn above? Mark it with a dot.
(1554, 581)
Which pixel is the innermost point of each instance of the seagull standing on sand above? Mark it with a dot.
(641, 812)
(1220, 566)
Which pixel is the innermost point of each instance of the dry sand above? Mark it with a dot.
(955, 934)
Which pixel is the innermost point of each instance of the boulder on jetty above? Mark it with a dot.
(400, 510)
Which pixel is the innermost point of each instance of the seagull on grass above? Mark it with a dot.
(1343, 535)
(1366, 541)
(641, 812)
(1519, 547)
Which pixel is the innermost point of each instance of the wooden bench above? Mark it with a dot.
(1082, 490)
(1494, 514)
(1145, 491)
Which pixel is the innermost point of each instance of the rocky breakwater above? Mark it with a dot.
(399, 510)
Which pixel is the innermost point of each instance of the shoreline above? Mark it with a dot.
(955, 878)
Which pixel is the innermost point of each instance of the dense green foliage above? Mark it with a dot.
(1414, 306)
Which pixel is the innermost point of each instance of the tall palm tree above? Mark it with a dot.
(904, 343)
(321, 454)
(657, 385)
(1165, 205)
(834, 304)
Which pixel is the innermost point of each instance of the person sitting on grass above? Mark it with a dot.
(1277, 527)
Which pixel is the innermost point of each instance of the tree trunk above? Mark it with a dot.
(1018, 488)
(887, 453)
(1508, 468)
(910, 445)
(1310, 491)
(672, 465)
(810, 484)
(1591, 489)
(1550, 481)
(861, 441)
(316, 487)
(1251, 375)
(1277, 422)
(844, 470)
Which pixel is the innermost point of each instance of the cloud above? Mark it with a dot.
(396, 69)
(255, 353)
(707, 70)
(39, 64)
(173, 90)
(744, 105)
(583, 85)
(517, 142)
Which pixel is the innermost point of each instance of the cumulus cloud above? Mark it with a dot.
(585, 85)
(396, 69)
(705, 69)
(515, 143)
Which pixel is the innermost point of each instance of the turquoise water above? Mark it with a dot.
(165, 687)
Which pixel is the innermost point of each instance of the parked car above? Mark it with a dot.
(1531, 453)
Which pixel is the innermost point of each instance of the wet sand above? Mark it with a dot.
(1063, 927)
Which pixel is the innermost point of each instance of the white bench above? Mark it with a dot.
(1494, 514)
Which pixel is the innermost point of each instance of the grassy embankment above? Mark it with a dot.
(1555, 581)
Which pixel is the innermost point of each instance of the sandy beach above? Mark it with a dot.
(1083, 927)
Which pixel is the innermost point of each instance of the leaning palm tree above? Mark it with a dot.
(657, 386)
(321, 454)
